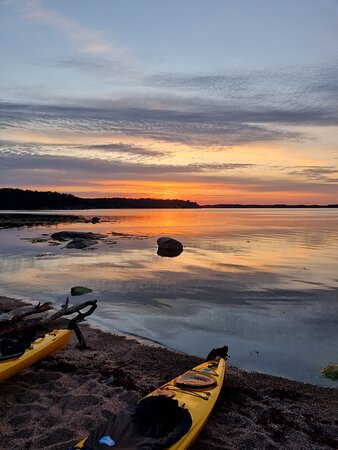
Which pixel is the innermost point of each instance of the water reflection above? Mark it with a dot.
(263, 282)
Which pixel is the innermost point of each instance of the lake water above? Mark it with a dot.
(262, 281)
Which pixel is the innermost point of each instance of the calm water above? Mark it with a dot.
(264, 282)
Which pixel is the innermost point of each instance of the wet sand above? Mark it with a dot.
(59, 400)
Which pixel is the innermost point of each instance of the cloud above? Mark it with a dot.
(125, 148)
(17, 148)
(235, 104)
(88, 42)
(14, 166)
(254, 107)
(202, 128)
(316, 173)
(286, 95)
(101, 168)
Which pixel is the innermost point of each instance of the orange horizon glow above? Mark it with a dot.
(202, 193)
(255, 173)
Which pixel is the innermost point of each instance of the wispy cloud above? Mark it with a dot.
(100, 151)
(87, 41)
(246, 108)
(328, 174)
(201, 128)
(27, 161)
(125, 148)
(298, 95)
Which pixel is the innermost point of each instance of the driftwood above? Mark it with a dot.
(13, 320)
(24, 311)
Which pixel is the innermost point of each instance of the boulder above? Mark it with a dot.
(69, 235)
(169, 247)
(95, 219)
(168, 243)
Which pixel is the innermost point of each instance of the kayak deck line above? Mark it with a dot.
(185, 391)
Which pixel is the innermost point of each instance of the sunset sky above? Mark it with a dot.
(216, 101)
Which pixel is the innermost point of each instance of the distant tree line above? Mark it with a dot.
(27, 199)
(277, 205)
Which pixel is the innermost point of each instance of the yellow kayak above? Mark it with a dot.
(196, 392)
(39, 349)
(202, 402)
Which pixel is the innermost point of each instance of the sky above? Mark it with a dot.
(215, 101)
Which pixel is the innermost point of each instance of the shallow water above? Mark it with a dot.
(263, 281)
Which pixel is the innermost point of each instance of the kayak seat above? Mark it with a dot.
(10, 349)
(158, 416)
(13, 345)
(156, 423)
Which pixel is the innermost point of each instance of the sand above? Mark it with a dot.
(59, 400)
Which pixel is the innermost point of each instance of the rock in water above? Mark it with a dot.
(69, 235)
(95, 219)
(168, 243)
(80, 290)
(169, 247)
(81, 243)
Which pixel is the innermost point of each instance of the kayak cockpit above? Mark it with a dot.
(157, 422)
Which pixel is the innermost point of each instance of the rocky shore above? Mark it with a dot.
(13, 220)
(59, 400)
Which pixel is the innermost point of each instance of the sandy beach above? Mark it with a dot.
(59, 400)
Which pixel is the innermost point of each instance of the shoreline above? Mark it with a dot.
(18, 220)
(60, 399)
